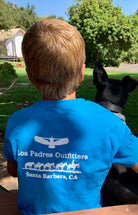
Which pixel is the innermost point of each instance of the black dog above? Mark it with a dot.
(121, 185)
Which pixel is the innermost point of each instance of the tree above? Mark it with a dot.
(136, 13)
(105, 29)
(25, 17)
(134, 20)
(12, 16)
(5, 13)
(131, 55)
(53, 16)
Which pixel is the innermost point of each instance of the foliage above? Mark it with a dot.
(5, 13)
(53, 16)
(105, 29)
(132, 55)
(7, 74)
(25, 17)
(134, 20)
(19, 16)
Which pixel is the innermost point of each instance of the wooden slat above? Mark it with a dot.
(9, 58)
(115, 210)
(8, 207)
(8, 204)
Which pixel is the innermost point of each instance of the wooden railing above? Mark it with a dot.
(8, 207)
(9, 58)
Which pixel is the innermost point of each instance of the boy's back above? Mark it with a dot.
(64, 152)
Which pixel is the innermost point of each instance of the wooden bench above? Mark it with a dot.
(8, 207)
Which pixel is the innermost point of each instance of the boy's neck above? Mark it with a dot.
(67, 97)
(70, 96)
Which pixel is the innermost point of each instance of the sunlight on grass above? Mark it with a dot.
(6, 103)
(23, 78)
(4, 115)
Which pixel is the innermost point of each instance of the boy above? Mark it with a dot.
(61, 148)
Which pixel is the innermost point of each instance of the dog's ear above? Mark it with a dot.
(129, 83)
(99, 75)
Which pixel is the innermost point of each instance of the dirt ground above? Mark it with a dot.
(11, 183)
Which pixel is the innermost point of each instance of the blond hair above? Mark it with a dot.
(54, 52)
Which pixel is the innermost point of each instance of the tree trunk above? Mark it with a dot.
(97, 55)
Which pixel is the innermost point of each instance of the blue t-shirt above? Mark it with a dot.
(64, 150)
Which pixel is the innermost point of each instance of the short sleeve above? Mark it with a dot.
(127, 154)
(10, 150)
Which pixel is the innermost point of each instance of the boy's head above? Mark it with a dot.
(54, 53)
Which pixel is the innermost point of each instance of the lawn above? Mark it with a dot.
(20, 96)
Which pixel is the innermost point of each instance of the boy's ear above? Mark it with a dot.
(81, 78)
(30, 78)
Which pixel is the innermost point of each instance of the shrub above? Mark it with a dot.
(7, 74)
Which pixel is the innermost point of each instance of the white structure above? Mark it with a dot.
(11, 40)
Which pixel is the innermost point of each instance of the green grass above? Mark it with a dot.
(22, 96)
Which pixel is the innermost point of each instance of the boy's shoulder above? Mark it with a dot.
(21, 113)
(78, 107)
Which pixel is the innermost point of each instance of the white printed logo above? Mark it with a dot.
(51, 167)
(51, 142)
